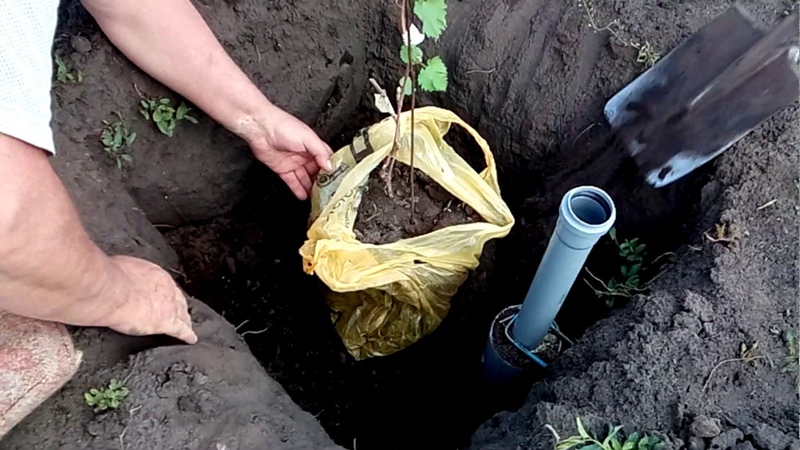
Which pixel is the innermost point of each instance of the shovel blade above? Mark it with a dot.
(706, 95)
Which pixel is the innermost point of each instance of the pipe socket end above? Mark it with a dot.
(586, 214)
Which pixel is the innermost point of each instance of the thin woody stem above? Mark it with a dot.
(412, 72)
(388, 163)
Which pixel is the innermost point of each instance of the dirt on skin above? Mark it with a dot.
(532, 78)
(382, 219)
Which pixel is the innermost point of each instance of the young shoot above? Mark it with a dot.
(166, 118)
(108, 398)
(117, 140)
(64, 75)
(426, 73)
(628, 283)
(612, 441)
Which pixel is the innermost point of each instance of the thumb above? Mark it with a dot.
(321, 152)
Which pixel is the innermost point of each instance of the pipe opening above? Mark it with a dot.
(590, 207)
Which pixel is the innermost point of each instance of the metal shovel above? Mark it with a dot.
(706, 94)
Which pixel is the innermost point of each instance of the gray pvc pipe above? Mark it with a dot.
(585, 215)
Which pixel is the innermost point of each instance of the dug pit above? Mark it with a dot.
(534, 88)
(434, 387)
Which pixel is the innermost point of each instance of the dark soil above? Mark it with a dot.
(532, 78)
(382, 219)
(216, 384)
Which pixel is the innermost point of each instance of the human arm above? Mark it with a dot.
(51, 270)
(170, 41)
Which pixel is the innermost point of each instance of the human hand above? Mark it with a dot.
(151, 301)
(292, 150)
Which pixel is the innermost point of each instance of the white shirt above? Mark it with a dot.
(27, 29)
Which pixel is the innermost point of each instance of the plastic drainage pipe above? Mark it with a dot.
(585, 215)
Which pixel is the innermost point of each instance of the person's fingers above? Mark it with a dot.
(182, 312)
(305, 180)
(294, 184)
(321, 151)
(183, 332)
(312, 168)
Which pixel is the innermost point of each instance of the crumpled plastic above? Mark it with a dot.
(385, 297)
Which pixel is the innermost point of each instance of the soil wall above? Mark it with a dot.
(532, 77)
(308, 57)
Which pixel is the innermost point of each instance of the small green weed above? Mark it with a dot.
(63, 74)
(109, 398)
(612, 441)
(166, 118)
(117, 140)
(790, 361)
(633, 253)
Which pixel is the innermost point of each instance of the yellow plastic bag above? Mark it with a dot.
(386, 297)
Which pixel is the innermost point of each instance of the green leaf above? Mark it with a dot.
(127, 158)
(190, 118)
(89, 399)
(635, 269)
(409, 87)
(181, 111)
(117, 139)
(570, 442)
(162, 127)
(629, 445)
(433, 77)
(163, 101)
(416, 54)
(615, 444)
(612, 433)
(640, 248)
(145, 114)
(158, 115)
(433, 14)
(130, 138)
(581, 430)
(612, 233)
(144, 104)
(612, 284)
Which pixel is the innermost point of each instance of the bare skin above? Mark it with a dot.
(171, 42)
(49, 267)
(51, 270)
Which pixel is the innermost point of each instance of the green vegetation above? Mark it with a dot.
(109, 398)
(63, 74)
(117, 140)
(166, 118)
(612, 441)
(630, 283)
(432, 75)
